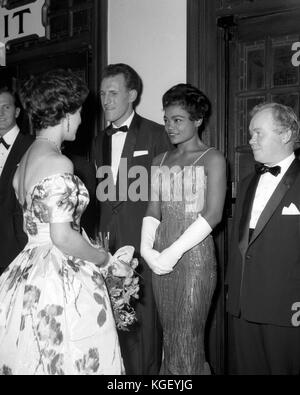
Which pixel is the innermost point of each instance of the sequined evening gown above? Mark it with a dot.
(183, 297)
(55, 312)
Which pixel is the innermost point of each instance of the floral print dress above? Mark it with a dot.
(55, 312)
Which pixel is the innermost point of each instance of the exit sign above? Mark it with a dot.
(20, 22)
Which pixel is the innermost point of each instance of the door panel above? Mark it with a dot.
(261, 70)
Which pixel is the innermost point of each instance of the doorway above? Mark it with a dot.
(259, 68)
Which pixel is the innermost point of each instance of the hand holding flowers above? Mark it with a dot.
(121, 262)
(121, 280)
(122, 290)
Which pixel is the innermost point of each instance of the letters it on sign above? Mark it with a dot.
(23, 21)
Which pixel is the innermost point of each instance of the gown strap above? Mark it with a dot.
(163, 159)
(203, 153)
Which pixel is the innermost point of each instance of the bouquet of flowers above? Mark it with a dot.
(122, 283)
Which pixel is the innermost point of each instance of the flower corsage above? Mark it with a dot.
(122, 282)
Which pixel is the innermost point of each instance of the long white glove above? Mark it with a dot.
(150, 224)
(193, 235)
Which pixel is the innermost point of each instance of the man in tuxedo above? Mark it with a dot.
(13, 145)
(129, 141)
(263, 273)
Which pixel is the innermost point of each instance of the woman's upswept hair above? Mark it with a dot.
(49, 97)
(191, 99)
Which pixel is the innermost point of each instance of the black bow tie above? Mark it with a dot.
(111, 130)
(261, 169)
(2, 141)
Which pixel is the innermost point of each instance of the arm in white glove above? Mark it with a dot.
(192, 236)
(150, 224)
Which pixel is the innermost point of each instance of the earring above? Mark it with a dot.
(68, 130)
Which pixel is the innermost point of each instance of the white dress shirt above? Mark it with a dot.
(265, 188)
(9, 138)
(117, 145)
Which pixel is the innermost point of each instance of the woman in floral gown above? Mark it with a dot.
(188, 194)
(55, 312)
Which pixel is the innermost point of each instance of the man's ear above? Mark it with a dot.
(287, 136)
(17, 113)
(132, 95)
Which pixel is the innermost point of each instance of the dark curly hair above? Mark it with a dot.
(191, 99)
(49, 97)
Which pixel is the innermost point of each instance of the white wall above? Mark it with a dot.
(150, 36)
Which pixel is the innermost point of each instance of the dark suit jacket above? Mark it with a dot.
(263, 275)
(12, 237)
(124, 218)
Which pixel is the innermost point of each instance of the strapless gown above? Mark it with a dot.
(184, 296)
(55, 311)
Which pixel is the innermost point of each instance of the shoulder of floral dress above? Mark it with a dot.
(54, 183)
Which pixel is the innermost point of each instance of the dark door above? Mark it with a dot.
(261, 69)
(78, 62)
(75, 38)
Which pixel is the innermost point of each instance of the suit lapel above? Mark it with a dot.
(279, 193)
(106, 161)
(130, 141)
(106, 149)
(127, 153)
(246, 213)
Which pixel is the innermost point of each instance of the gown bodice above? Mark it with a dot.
(182, 196)
(54, 199)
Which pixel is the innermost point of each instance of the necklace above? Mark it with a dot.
(50, 141)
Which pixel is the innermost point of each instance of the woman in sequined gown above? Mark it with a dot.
(188, 192)
(55, 311)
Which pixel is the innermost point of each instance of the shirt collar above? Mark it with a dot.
(127, 122)
(10, 136)
(285, 163)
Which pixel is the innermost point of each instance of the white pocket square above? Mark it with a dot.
(140, 153)
(291, 210)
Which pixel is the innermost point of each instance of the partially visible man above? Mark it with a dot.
(263, 274)
(13, 145)
(130, 140)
